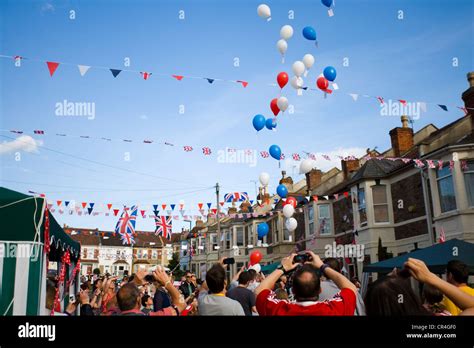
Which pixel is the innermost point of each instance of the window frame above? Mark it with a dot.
(325, 219)
(438, 180)
(384, 187)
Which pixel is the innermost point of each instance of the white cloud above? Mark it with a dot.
(47, 7)
(22, 143)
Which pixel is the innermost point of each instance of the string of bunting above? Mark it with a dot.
(52, 66)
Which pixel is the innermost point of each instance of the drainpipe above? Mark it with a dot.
(429, 218)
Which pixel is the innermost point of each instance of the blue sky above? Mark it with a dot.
(401, 59)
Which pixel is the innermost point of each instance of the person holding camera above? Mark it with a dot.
(305, 271)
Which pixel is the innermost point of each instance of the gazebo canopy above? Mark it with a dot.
(436, 257)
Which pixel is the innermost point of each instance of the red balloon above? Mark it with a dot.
(322, 83)
(282, 79)
(255, 257)
(292, 201)
(274, 106)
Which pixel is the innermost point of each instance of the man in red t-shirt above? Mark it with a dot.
(306, 288)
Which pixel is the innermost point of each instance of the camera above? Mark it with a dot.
(229, 261)
(149, 278)
(302, 258)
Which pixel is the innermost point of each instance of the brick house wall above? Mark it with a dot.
(411, 230)
(410, 191)
(343, 218)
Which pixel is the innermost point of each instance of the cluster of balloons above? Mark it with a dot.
(288, 211)
(329, 75)
(286, 32)
(259, 122)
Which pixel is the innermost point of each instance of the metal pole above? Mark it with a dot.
(218, 222)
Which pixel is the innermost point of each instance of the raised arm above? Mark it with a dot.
(161, 276)
(269, 282)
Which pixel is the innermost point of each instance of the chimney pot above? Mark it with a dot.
(404, 120)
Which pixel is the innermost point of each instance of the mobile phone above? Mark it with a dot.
(72, 298)
(229, 261)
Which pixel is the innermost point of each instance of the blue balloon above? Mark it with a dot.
(270, 123)
(282, 191)
(275, 152)
(309, 33)
(262, 229)
(258, 122)
(329, 73)
(327, 3)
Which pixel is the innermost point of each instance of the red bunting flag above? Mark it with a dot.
(178, 77)
(315, 198)
(109, 205)
(145, 75)
(143, 213)
(221, 203)
(52, 66)
(163, 206)
(346, 194)
(84, 204)
(116, 212)
(59, 203)
(403, 102)
(244, 83)
(200, 206)
(380, 99)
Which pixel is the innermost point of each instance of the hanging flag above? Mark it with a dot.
(116, 211)
(463, 109)
(336, 196)
(52, 66)
(206, 151)
(326, 157)
(163, 206)
(188, 148)
(155, 206)
(84, 204)
(66, 203)
(430, 164)
(444, 107)
(221, 203)
(58, 203)
(83, 69)
(209, 205)
(109, 205)
(200, 206)
(178, 77)
(115, 72)
(296, 157)
(236, 197)
(209, 80)
(264, 154)
(143, 213)
(89, 210)
(164, 226)
(442, 236)
(145, 75)
(172, 206)
(403, 102)
(315, 198)
(354, 96)
(419, 163)
(440, 164)
(126, 225)
(380, 99)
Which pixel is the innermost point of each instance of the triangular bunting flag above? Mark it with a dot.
(200, 205)
(163, 206)
(155, 207)
(52, 66)
(221, 203)
(116, 212)
(145, 75)
(209, 80)
(209, 205)
(109, 205)
(59, 203)
(444, 107)
(172, 206)
(91, 205)
(115, 72)
(66, 203)
(178, 77)
(83, 69)
(143, 213)
(244, 83)
(89, 210)
(84, 204)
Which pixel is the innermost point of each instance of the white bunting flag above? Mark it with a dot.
(83, 69)
(354, 96)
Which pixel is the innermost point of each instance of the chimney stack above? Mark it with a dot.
(468, 95)
(349, 166)
(313, 179)
(401, 138)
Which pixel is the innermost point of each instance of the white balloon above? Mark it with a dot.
(264, 11)
(296, 82)
(308, 60)
(306, 166)
(256, 267)
(288, 210)
(282, 103)
(282, 46)
(286, 32)
(264, 178)
(298, 68)
(291, 224)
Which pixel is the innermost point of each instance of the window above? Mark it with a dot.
(447, 199)
(361, 206)
(155, 254)
(249, 235)
(274, 230)
(324, 219)
(239, 265)
(213, 243)
(469, 182)
(311, 219)
(379, 196)
(228, 238)
(239, 231)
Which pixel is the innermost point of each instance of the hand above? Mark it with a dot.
(71, 308)
(84, 297)
(161, 276)
(97, 292)
(287, 263)
(141, 273)
(316, 262)
(419, 271)
(221, 262)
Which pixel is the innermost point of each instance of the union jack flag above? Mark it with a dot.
(126, 225)
(145, 74)
(326, 157)
(38, 131)
(164, 226)
(16, 131)
(236, 197)
(442, 236)
(312, 156)
(440, 164)
(206, 151)
(296, 157)
(188, 148)
(380, 99)
(282, 156)
(264, 154)
(147, 141)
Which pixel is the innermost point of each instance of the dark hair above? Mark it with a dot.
(392, 296)
(305, 288)
(215, 279)
(459, 271)
(333, 263)
(431, 294)
(253, 274)
(127, 296)
(244, 278)
(144, 299)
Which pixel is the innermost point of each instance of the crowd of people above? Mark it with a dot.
(299, 286)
